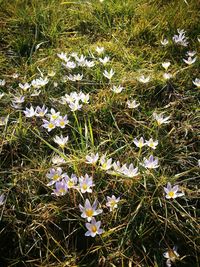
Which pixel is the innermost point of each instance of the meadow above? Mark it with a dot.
(99, 144)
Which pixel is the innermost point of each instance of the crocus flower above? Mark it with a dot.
(172, 192)
(151, 163)
(71, 182)
(92, 158)
(30, 112)
(89, 211)
(106, 164)
(129, 171)
(132, 104)
(85, 184)
(54, 175)
(143, 79)
(61, 141)
(109, 74)
(160, 119)
(104, 60)
(112, 202)
(93, 228)
(99, 50)
(117, 89)
(49, 125)
(61, 188)
(166, 65)
(196, 82)
(139, 143)
(152, 144)
(190, 60)
(171, 255)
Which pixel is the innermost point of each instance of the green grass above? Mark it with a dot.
(38, 229)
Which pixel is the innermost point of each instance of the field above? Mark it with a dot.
(99, 144)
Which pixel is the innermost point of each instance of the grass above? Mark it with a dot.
(39, 229)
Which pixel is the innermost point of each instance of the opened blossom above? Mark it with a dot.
(172, 192)
(150, 163)
(93, 228)
(89, 211)
(112, 202)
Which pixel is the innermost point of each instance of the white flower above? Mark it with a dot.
(106, 164)
(85, 184)
(2, 82)
(143, 79)
(89, 211)
(92, 159)
(139, 143)
(109, 74)
(152, 144)
(104, 60)
(167, 76)
(132, 104)
(164, 42)
(75, 105)
(1, 95)
(166, 65)
(61, 141)
(71, 181)
(70, 65)
(151, 163)
(40, 112)
(54, 175)
(171, 255)
(196, 82)
(81, 60)
(63, 56)
(15, 75)
(172, 192)
(112, 202)
(29, 112)
(190, 60)
(89, 64)
(62, 121)
(191, 53)
(99, 50)
(160, 119)
(84, 98)
(38, 83)
(117, 89)
(180, 38)
(53, 115)
(75, 77)
(25, 86)
(129, 171)
(49, 125)
(93, 228)
(57, 160)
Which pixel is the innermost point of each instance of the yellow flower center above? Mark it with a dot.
(112, 203)
(70, 183)
(89, 212)
(51, 125)
(56, 176)
(94, 228)
(84, 186)
(62, 123)
(62, 190)
(171, 194)
(54, 117)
